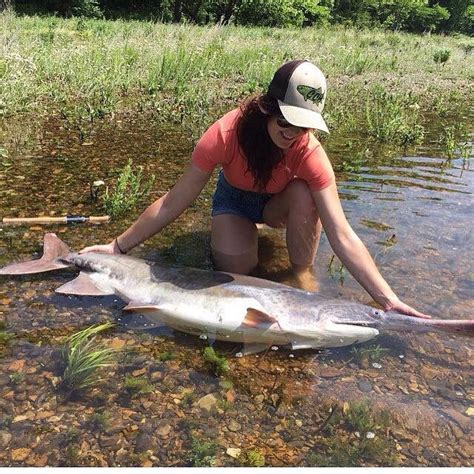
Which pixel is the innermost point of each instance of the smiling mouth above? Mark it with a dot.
(288, 139)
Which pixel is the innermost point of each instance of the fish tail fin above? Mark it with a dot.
(53, 249)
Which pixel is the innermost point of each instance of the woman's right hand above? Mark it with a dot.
(110, 248)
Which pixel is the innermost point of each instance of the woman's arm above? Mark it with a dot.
(353, 253)
(159, 214)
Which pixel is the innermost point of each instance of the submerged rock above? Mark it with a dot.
(207, 403)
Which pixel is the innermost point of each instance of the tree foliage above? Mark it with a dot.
(408, 15)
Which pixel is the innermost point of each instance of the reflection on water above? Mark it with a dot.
(280, 408)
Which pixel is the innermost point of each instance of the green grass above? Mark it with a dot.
(84, 357)
(85, 69)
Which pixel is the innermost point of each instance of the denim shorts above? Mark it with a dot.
(229, 200)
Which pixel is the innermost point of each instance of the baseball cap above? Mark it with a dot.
(300, 88)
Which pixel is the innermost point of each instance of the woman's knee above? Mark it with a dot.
(243, 263)
(300, 196)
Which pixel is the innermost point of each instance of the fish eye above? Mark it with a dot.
(376, 312)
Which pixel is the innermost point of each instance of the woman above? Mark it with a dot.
(274, 171)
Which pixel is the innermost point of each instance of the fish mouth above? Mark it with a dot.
(363, 324)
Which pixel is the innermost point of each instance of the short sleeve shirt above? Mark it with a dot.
(306, 159)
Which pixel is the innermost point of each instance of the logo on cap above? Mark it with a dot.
(310, 93)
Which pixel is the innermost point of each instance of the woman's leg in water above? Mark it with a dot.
(234, 243)
(295, 209)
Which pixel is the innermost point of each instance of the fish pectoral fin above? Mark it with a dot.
(82, 286)
(150, 312)
(255, 318)
(143, 308)
(253, 348)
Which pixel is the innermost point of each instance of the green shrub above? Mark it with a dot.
(129, 189)
(440, 56)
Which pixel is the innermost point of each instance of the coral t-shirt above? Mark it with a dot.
(306, 159)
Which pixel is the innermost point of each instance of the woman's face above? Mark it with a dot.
(282, 133)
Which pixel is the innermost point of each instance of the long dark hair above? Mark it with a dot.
(257, 147)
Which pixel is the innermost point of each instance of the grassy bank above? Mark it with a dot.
(86, 69)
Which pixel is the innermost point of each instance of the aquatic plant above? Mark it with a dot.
(137, 385)
(393, 118)
(5, 339)
(372, 353)
(252, 458)
(99, 420)
(224, 404)
(356, 437)
(203, 453)
(83, 356)
(216, 363)
(339, 272)
(130, 189)
(166, 355)
(16, 378)
(455, 138)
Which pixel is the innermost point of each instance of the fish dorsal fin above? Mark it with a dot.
(137, 307)
(54, 247)
(82, 286)
(256, 318)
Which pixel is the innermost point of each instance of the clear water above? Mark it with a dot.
(413, 211)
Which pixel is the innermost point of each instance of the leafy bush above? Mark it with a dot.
(411, 16)
(268, 13)
(440, 56)
(313, 13)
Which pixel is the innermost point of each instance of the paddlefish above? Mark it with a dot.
(223, 306)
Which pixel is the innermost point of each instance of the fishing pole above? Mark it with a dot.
(74, 219)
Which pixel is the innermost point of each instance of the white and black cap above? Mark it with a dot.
(300, 88)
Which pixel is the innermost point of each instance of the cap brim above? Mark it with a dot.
(303, 117)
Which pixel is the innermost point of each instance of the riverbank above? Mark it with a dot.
(84, 69)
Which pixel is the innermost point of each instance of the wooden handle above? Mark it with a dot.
(99, 218)
(33, 220)
(55, 220)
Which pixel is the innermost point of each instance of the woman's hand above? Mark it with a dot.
(110, 248)
(398, 306)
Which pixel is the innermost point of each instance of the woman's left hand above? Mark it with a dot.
(399, 306)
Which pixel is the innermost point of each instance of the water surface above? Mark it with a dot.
(414, 212)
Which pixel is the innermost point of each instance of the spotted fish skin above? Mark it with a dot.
(310, 93)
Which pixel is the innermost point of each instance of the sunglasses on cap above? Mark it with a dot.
(282, 123)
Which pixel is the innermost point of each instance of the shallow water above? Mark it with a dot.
(414, 212)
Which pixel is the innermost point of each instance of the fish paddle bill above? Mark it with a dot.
(53, 249)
